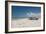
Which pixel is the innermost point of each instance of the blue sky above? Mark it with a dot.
(21, 11)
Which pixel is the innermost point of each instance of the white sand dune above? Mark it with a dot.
(25, 23)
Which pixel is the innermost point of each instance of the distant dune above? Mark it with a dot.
(25, 23)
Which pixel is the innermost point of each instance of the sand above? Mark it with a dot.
(23, 23)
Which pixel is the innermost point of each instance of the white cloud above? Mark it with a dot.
(33, 14)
